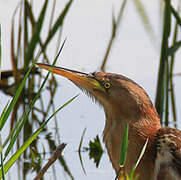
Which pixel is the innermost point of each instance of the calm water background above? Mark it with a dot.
(88, 30)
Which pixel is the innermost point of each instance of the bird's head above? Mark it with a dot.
(119, 96)
(124, 102)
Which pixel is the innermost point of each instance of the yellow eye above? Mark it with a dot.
(107, 85)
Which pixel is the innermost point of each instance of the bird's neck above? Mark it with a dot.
(147, 123)
(144, 121)
(142, 126)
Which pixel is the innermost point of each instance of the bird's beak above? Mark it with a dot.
(81, 79)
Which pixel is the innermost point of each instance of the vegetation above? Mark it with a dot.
(27, 119)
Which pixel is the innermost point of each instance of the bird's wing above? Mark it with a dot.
(168, 160)
(177, 157)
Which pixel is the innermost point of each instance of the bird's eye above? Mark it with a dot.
(107, 85)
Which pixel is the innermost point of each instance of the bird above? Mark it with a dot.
(125, 102)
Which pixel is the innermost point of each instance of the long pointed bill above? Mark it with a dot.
(81, 79)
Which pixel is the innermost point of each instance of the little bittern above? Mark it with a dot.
(124, 102)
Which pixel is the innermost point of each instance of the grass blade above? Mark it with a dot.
(123, 153)
(145, 19)
(0, 51)
(79, 151)
(141, 155)
(172, 89)
(14, 100)
(3, 113)
(57, 24)
(167, 84)
(17, 154)
(36, 34)
(26, 114)
(115, 25)
(176, 15)
(124, 146)
(11, 134)
(174, 48)
(2, 163)
(160, 94)
(81, 140)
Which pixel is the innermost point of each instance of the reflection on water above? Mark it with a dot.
(95, 150)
